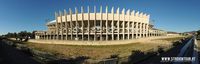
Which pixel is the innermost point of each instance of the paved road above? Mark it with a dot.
(10, 55)
(189, 50)
(184, 50)
(170, 53)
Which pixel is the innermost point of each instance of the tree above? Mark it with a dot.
(21, 34)
(198, 32)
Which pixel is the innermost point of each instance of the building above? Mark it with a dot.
(173, 34)
(94, 26)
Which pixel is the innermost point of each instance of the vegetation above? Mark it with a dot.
(101, 52)
(135, 52)
(171, 39)
(21, 34)
(198, 39)
(198, 44)
(198, 32)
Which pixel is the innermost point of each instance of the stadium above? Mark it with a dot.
(103, 25)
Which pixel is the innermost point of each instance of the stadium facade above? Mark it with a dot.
(99, 26)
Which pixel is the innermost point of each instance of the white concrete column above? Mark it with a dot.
(140, 24)
(66, 25)
(57, 29)
(106, 23)
(133, 30)
(41, 36)
(47, 36)
(44, 36)
(112, 11)
(153, 34)
(118, 23)
(77, 26)
(123, 15)
(146, 32)
(148, 24)
(82, 13)
(53, 35)
(88, 23)
(101, 37)
(156, 33)
(128, 13)
(143, 28)
(137, 24)
(50, 36)
(136, 30)
(150, 33)
(70, 11)
(95, 23)
(146, 29)
(61, 24)
(143, 25)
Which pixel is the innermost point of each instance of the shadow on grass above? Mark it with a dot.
(77, 60)
(154, 56)
(138, 56)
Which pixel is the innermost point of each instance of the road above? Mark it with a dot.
(187, 50)
(10, 55)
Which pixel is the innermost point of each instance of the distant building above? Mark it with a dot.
(94, 26)
(172, 34)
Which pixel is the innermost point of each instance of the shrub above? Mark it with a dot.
(114, 56)
(160, 49)
(176, 43)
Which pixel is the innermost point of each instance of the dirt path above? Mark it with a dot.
(114, 42)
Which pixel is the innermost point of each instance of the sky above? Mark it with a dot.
(30, 15)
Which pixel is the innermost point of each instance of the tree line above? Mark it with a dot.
(21, 34)
(198, 35)
(198, 32)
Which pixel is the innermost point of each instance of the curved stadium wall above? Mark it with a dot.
(102, 25)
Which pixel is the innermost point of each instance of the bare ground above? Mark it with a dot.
(103, 51)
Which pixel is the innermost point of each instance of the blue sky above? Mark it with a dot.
(169, 15)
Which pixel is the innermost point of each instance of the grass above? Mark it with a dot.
(198, 44)
(171, 39)
(101, 52)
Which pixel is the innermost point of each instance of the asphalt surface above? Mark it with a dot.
(10, 55)
(187, 49)
(170, 53)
